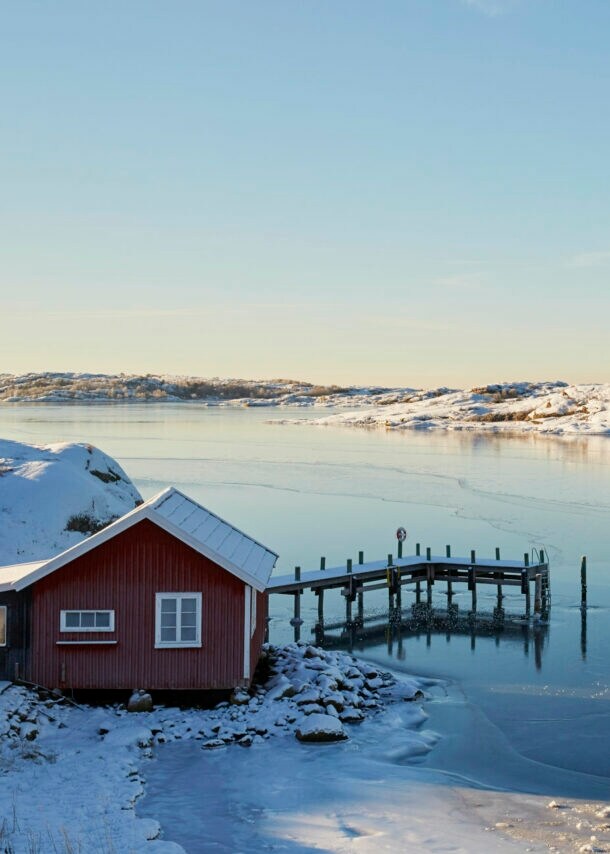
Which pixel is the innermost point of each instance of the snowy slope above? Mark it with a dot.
(552, 408)
(52, 496)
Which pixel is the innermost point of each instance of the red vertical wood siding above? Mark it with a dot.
(124, 574)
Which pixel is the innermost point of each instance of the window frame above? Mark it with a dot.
(178, 597)
(64, 628)
(4, 642)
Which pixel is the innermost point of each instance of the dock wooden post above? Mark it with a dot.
(583, 582)
(525, 588)
(472, 586)
(497, 553)
(428, 553)
(360, 558)
(526, 559)
(349, 597)
(320, 595)
(429, 583)
(398, 594)
(399, 548)
(360, 607)
(417, 592)
(296, 620)
(473, 556)
(417, 549)
(448, 551)
(322, 563)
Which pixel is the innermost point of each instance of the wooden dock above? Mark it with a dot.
(421, 573)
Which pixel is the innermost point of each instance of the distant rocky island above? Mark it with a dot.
(51, 387)
(554, 407)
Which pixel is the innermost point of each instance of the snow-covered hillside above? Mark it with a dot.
(53, 496)
(553, 408)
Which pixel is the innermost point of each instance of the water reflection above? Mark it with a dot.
(436, 626)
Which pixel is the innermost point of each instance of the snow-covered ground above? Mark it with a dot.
(237, 778)
(551, 408)
(71, 776)
(53, 496)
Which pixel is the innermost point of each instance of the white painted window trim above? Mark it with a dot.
(5, 609)
(64, 628)
(159, 644)
(254, 597)
(247, 636)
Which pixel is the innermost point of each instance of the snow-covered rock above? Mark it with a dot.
(53, 496)
(321, 728)
(547, 407)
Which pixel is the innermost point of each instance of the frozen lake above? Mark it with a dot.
(307, 491)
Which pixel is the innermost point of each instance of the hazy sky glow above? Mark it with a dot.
(411, 192)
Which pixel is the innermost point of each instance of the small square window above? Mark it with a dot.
(178, 620)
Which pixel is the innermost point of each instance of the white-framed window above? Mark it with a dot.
(3, 613)
(253, 598)
(86, 621)
(178, 620)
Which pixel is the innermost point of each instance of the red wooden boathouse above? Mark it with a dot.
(169, 597)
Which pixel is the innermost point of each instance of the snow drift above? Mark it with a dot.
(53, 496)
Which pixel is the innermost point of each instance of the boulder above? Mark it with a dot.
(319, 727)
(140, 701)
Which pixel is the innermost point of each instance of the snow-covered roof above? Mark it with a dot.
(180, 516)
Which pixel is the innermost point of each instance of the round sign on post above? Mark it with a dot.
(401, 535)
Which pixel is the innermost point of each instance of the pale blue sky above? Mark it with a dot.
(401, 191)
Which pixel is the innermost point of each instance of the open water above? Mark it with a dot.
(307, 491)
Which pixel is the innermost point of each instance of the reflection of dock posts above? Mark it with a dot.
(538, 649)
(526, 641)
(398, 587)
(583, 633)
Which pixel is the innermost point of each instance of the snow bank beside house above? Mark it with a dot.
(551, 408)
(53, 496)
